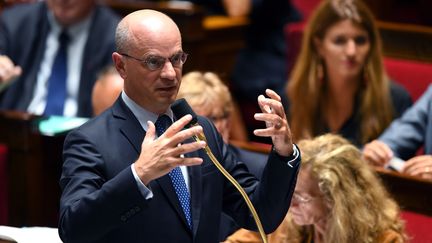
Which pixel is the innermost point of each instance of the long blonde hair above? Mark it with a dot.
(305, 90)
(362, 209)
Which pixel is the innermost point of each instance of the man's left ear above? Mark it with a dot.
(119, 64)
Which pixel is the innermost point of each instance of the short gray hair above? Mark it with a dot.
(122, 37)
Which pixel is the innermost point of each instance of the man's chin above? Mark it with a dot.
(167, 96)
(168, 100)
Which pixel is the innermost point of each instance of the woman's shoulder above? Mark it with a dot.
(398, 89)
(400, 98)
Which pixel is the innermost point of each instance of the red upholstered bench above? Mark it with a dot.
(418, 227)
(306, 7)
(3, 185)
(413, 75)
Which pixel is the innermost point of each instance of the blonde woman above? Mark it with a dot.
(338, 198)
(209, 97)
(338, 83)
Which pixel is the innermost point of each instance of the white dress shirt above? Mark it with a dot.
(78, 34)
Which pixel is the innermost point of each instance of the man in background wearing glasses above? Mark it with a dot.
(130, 176)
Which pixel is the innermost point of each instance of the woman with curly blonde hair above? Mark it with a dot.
(209, 97)
(338, 83)
(338, 198)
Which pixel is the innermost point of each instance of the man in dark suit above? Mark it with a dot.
(123, 183)
(29, 42)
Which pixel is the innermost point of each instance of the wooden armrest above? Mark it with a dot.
(252, 146)
(220, 22)
(412, 193)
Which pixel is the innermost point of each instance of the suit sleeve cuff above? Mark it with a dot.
(145, 191)
(294, 159)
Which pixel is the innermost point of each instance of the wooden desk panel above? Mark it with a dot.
(412, 193)
(402, 11)
(6, 241)
(406, 41)
(34, 163)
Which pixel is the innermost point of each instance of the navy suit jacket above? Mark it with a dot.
(101, 201)
(23, 32)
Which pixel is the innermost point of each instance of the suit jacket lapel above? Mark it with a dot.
(195, 181)
(135, 134)
(168, 189)
(131, 128)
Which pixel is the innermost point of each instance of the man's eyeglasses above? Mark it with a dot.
(157, 62)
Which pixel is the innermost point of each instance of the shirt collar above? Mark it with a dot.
(72, 30)
(142, 114)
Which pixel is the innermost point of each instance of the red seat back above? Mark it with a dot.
(293, 36)
(418, 226)
(305, 7)
(3, 186)
(413, 75)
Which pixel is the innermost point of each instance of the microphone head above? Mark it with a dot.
(181, 108)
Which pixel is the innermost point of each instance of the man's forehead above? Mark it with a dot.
(160, 45)
(151, 21)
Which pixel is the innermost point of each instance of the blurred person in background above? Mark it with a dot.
(338, 83)
(32, 37)
(404, 137)
(106, 90)
(338, 198)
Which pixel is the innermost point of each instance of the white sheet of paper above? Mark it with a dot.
(30, 234)
(396, 164)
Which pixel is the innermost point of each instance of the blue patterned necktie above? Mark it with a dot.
(162, 123)
(57, 81)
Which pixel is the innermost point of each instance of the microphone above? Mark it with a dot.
(181, 108)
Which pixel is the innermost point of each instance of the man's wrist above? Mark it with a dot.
(290, 159)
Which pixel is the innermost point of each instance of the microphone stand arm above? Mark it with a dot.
(201, 137)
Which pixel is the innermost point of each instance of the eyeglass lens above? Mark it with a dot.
(157, 62)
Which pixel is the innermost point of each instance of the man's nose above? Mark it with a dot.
(168, 71)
